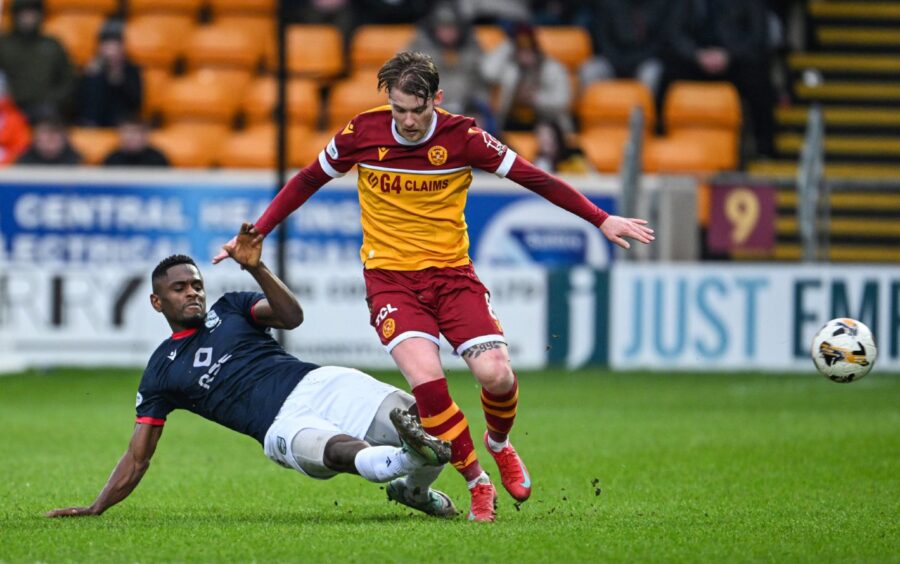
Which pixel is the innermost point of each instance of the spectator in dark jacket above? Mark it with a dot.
(50, 144)
(41, 77)
(629, 39)
(134, 147)
(727, 40)
(111, 88)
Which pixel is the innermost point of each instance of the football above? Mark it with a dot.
(844, 350)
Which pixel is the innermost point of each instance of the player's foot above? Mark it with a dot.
(484, 502)
(431, 450)
(513, 474)
(435, 503)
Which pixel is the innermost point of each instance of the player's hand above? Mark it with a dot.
(246, 248)
(72, 512)
(617, 228)
(223, 254)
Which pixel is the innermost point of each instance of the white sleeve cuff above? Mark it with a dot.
(507, 163)
(326, 166)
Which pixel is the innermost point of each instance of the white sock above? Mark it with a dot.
(418, 481)
(497, 447)
(482, 478)
(384, 463)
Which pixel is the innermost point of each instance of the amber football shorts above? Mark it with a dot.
(427, 303)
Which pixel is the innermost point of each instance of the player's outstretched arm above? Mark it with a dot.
(126, 475)
(281, 308)
(617, 228)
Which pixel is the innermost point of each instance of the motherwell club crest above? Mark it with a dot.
(437, 155)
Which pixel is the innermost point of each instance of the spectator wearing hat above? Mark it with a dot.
(15, 135)
(41, 76)
(134, 147)
(50, 145)
(531, 86)
(111, 89)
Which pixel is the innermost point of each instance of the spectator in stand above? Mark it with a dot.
(726, 40)
(530, 85)
(15, 135)
(448, 38)
(555, 154)
(111, 88)
(50, 145)
(41, 77)
(501, 12)
(629, 39)
(134, 147)
(561, 12)
(393, 11)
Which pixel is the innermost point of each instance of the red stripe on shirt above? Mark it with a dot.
(183, 334)
(151, 421)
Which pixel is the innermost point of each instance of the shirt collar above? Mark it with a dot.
(403, 141)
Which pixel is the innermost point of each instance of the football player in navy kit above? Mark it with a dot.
(223, 365)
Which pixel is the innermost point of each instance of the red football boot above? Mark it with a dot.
(484, 503)
(513, 474)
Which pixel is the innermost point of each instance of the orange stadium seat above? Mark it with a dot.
(94, 143)
(702, 104)
(570, 45)
(372, 45)
(102, 7)
(604, 147)
(523, 143)
(210, 95)
(156, 82)
(185, 7)
(609, 103)
(314, 51)
(679, 156)
(352, 96)
(220, 7)
(157, 40)
(191, 145)
(77, 31)
(302, 101)
(489, 37)
(255, 147)
(261, 26)
(227, 46)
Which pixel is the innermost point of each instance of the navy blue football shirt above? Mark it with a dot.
(230, 371)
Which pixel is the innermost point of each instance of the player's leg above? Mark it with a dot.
(413, 490)
(469, 323)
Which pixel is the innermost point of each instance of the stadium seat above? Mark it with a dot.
(702, 104)
(156, 83)
(227, 46)
(77, 31)
(313, 51)
(372, 45)
(94, 143)
(157, 40)
(676, 155)
(185, 7)
(242, 7)
(604, 147)
(352, 96)
(211, 95)
(191, 145)
(523, 143)
(489, 36)
(255, 147)
(609, 103)
(570, 45)
(302, 101)
(101, 7)
(261, 26)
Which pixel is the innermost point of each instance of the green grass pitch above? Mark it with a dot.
(626, 467)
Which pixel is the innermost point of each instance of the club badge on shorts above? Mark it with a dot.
(437, 155)
(388, 328)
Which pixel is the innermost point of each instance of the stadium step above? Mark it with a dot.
(859, 171)
(849, 91)
(861, 37)
(840, 117)
(840, 253)
(844, 227)
(845, 63)
(851, 147)
(855, 11)
(848, 201)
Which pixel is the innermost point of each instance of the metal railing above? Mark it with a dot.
(813, 199)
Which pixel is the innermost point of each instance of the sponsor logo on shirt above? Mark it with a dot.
(493, 143)
(212, 320)
(388, 328)
(139, 400)
(437, 155)
(332, 149)
(348, 130)
(171, 355)
(382, 151)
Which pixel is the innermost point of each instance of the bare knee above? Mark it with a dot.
(491, 368)
(340, 453)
